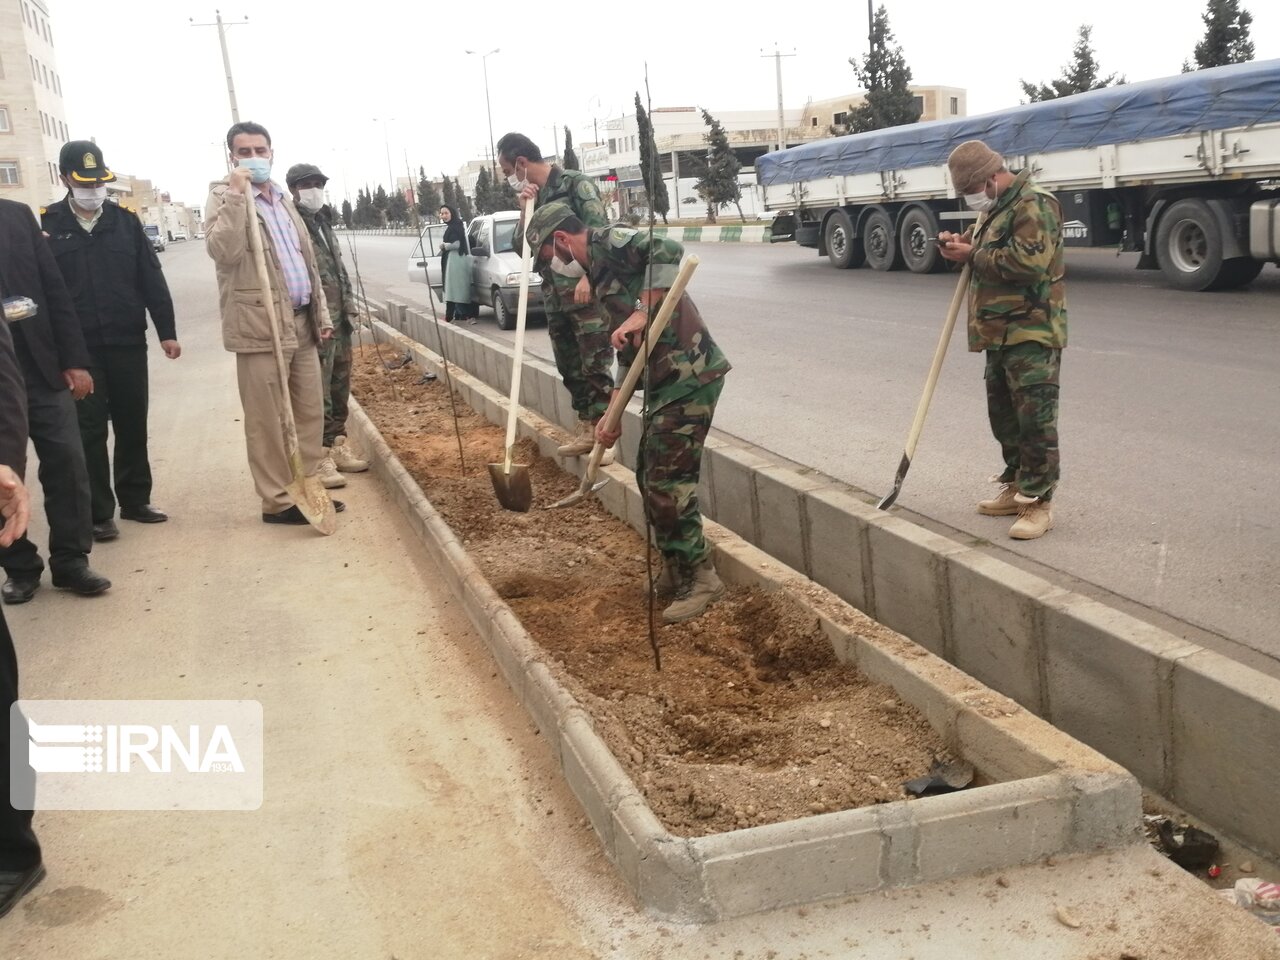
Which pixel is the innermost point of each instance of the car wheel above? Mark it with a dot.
(506, 319)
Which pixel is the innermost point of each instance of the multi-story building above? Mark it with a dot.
(32, 114)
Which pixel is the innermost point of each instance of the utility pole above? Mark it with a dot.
(223, 27)
(386, 142)
(777, 59)
(484, 60)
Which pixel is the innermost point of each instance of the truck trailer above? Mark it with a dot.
(1183, 170)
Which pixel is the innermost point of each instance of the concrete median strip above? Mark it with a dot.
(1045, 793)
(1145, 697)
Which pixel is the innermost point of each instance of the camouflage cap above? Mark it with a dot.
(544, 222)
(300, 171)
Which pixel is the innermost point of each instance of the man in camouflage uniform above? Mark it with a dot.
(1018, 315)
(630, 274)
(306, 183)
(579, 334)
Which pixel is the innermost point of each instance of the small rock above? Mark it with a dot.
(817, 808)
(730, 684)
(1067, 918)
(824, 723)
(874, 780)
(815, 782)
(1246, 867)
(890, 705)
(751, 811)
(636, 756)
(1002, 881)
(1050, 861)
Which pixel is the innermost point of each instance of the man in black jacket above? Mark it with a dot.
(20, 861)
(54, 363)
(114, 277)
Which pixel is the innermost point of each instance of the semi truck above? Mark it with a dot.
(1185, 171)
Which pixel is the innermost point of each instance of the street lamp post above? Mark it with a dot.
(223, 27)
(484, 61)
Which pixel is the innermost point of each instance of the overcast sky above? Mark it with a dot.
(154, 95)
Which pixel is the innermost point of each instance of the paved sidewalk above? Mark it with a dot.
(410, 810)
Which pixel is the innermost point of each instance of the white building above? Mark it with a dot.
(32, 115)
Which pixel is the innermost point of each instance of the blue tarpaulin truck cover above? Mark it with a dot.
(1216, 99)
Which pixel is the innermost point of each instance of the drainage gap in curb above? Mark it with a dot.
(752, 721)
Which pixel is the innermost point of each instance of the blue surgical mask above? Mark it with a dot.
(259, 168)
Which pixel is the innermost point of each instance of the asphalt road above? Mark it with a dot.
(1170, 419)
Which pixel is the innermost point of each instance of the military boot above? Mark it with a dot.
(1035, 518)
(328, 473)
(583, 440)
(666, 583)
(1002, 504)
(344, 459)
(698, 589)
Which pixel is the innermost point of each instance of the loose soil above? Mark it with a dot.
(751, 720)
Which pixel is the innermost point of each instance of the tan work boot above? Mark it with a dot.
(699, 588)
(583, 440)
(666, 583)
(1035, 518)
(1002, 504)
(328, 473)
(344, 459)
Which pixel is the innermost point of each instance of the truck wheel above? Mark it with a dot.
(506, 319)
(915, 237)
(1189, 246)
(881, 242)
(844, 250)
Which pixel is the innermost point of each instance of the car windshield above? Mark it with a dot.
(503, 232)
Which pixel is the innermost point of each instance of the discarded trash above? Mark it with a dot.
(942, 778)
(1215, 871)
(400, 361)
(1067, 918)
(1188, 847)
(426, 378)
(1260, 897)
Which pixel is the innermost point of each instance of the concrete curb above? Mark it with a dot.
(1056, 796)
(1137, 692)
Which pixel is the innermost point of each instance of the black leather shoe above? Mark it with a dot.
(81, 580)
(143, 514)
(19, 589)
(294, 516)
(16, 884)
(104, 531)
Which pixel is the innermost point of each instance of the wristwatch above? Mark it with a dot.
(641, 306)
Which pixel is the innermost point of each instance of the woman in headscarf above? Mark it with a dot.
(455, 267)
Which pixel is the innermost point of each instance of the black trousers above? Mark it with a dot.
(19, 848)
(119, 395)
(51, 418)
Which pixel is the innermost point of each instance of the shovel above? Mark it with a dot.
(511, 480)
(307, 493)
(931, 381)
(620, 399)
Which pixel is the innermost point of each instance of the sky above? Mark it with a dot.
(342, 85)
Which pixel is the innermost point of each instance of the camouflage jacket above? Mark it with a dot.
(1016, 290)
(684, 357)
(579, 192)
(333, 273)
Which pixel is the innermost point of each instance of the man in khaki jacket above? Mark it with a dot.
(246, 328)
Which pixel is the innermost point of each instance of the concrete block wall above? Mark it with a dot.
(1137, 693)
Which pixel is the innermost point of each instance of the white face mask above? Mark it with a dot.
(89, 198)
(572, 269)
(979, 201)
(311, 199)
(517, 183)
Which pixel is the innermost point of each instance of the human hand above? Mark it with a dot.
(956, 251)
(530, 192)
(240, 180)
(15, 506)
(946, 236)
(326, 333)
(634, 324)
(607, 438)
(582, 292)
(172, 349)
(78, 382)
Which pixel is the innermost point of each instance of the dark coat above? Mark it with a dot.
(113, 274)
(27, 268)
(13, 407)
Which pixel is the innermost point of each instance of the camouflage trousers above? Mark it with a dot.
(1022, 405)
(668, 466)
(335, 378)
(584, 357)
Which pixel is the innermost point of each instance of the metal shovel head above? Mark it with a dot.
(579, 495)
(513, 489)
(312, 500)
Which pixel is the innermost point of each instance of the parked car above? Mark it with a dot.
(495, 269)
(157, 238)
